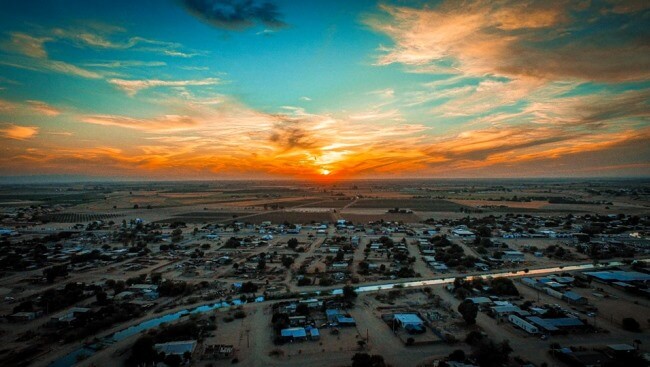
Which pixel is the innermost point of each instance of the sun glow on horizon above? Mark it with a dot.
(325, 172)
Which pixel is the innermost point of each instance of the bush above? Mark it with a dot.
(239, 314)
(458, 356)
(304, 281)
(630, 324)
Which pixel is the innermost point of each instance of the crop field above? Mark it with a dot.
(202, 217)
(77, 217)
(331, 204)
(388, 217)
(289, 203)
(291, 217)
(429, 205)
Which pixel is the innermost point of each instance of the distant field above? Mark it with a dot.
(429, 205)
(330, 204)
(283, 191)
(201, 217)
(388, 217)
(291, 217)
(510, 204)
(77, 217)
(289, 203)
(52, 198)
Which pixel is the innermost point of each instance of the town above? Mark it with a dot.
(362, 273)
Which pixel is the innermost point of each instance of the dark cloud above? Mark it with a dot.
(235, 14)
(287, 134)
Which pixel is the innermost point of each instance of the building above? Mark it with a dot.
(24, 316)
(482, 266)
(574, 298)
(523, 324)
(70, 315)
(619, 276)
(314, 334)
(293, 334)
(332, 314)
(500, 311)
(463, 232)
(479, 301)
(345, 321)
(178, 348)
(406, 319)
(512, 256)
(556, 325)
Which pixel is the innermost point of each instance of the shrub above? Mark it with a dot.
(630, 324)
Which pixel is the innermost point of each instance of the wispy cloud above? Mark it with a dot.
(131, 87)
(165, 123)
(513, 39)
(28, 107)
(17, 132)
(115, 64)
(27, 45)
(44, 108)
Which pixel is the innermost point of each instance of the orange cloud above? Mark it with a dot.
(17, 132)
(509, 38)
(160, 124)
(44, 108)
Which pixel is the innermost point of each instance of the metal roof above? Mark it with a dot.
(179, 347)
(295, 332)
(623, 276)
(408, 318)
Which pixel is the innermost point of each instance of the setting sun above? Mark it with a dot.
(324, 172)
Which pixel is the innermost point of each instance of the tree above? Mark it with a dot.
(474, 337)
(261, 263)
(248, 287)
(302, 309)
(292, 243)
(143, 352)
(469, 311)
(630, 324)
(304, 281)
(457, 356)
(173, 360)
(101, 297)
(177, 234)
(504, 287)
(490, 354)
(366, 360)
(339, 255)
(349, 292)
(287, 261)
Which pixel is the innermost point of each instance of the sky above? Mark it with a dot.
(257, 89)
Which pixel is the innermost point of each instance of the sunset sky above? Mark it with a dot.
(206, 89)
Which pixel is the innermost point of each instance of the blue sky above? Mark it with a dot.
(265, 89)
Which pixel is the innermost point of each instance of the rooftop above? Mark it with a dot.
(178, 347)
